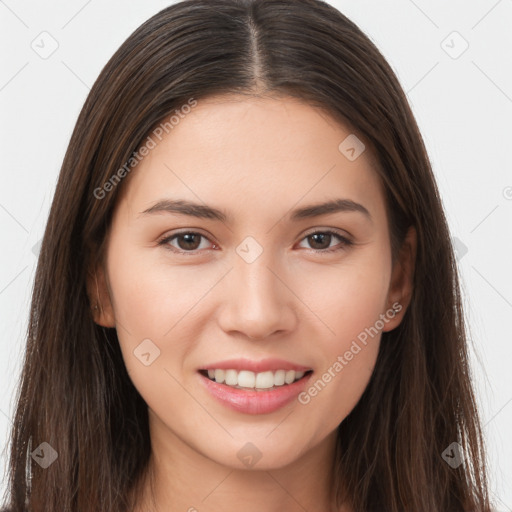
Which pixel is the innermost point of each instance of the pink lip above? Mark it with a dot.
(256, 366)
(254, 402)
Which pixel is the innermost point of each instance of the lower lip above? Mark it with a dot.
(255, 402)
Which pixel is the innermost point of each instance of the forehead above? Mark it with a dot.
(260, 155)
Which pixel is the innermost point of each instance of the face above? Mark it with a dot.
(221, 258)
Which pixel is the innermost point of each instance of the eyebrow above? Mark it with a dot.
(203, 211)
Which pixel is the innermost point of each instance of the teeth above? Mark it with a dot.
(279, 377)
(231, 377)
(246, 379)
(262, 380)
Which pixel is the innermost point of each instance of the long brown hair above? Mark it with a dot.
(75, 393)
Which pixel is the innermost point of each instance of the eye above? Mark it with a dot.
(190, 242)
(187, 242)
(321, 241)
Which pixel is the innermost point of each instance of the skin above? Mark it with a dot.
(256, 159)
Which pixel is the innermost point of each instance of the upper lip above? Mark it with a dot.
(262, 365)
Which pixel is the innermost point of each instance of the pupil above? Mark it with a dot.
(323, 237)
(189, 240)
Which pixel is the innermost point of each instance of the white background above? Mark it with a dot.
(463, 106)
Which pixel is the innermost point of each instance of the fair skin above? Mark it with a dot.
(257, 160)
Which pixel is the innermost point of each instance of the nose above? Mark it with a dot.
(257, 301)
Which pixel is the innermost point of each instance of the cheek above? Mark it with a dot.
(348, 360)
(348, 297)
(151, 296)
(351, 304)
(335, 390)
(150, 300)
(166, 304)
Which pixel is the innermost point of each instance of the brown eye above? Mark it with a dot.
(186, 242)
(321, 241)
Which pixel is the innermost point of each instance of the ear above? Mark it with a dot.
(99, 297)
(402, 276)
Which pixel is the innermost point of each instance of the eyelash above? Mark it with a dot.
(345, 242)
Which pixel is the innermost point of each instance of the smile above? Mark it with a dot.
(253, 392)
(249, 380)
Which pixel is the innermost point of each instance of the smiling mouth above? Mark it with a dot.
(251, 381)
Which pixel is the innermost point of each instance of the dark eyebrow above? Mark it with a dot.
(207, 212)
(186, 208)
(334, 206)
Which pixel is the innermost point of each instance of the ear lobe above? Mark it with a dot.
(402, 277)
(99, 298)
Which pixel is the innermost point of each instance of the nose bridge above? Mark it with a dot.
(257, 303)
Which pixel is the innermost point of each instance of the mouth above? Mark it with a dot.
(252, 381)
(255, 392)
(252, 386)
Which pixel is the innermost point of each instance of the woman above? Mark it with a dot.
(246, 295)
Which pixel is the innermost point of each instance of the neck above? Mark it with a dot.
(179, 478)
